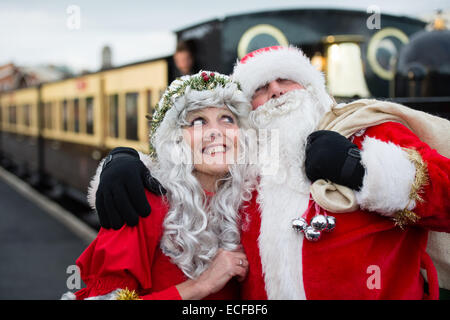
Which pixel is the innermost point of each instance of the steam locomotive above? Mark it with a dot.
(53, 135)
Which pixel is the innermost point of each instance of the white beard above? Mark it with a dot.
(283, 192)
(283, 127)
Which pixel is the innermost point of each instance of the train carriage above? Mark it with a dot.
(72, 129)
(131, 92)
(84, 117)
(20, 131)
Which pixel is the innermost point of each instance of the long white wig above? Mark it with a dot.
(195, 227)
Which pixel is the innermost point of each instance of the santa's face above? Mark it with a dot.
(273, 90)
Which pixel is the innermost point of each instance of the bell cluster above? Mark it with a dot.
(317, 224)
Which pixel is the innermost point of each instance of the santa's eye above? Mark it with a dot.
(262, 88)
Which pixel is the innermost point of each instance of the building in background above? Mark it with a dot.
(15, 77)
(106, 58)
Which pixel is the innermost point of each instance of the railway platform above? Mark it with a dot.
(39, 240)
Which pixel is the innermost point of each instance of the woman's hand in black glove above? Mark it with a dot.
(120, 197)
(333, 157)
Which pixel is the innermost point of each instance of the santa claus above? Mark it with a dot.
(343, 209)
(399, 190)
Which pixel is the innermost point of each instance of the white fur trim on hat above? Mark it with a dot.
(263, 66)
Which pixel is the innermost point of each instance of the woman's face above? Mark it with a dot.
(212, 134)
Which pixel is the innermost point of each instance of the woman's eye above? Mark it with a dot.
(228, 119)
(198, 122)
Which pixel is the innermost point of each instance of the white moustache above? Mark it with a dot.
(263, 116)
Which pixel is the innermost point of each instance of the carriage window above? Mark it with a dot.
(114, 116)
(149, 103)
(345, 78)
(27, 115)
(131, 109)
(65, 116)
(150, 108)
(89, 115)
(12, 115)
(48, 115)
(76, 114)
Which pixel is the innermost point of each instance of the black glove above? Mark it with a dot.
(333, 157)
(120, 196)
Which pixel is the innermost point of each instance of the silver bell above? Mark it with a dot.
(299, 224)
(319, 222)
(312, 234)
(331, 223)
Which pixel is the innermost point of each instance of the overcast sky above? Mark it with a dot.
(40, 32)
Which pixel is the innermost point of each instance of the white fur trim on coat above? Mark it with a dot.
(280, 247)
(68, 296)
(388, 178)
(109, 296)
(95, 181)
(285, 63)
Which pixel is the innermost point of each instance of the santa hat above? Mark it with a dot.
(264, 65)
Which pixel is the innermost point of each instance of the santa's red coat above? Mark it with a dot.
(367, 256)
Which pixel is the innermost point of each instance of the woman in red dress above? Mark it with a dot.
(189, 246)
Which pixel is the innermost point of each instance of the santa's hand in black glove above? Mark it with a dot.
(120, 197)
(331, 156)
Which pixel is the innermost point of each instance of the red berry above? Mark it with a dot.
(204, 74)
(212, 74)
(206, 78)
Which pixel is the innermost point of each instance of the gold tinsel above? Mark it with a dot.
(421, 178)
(125, 294)
(405, 216)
